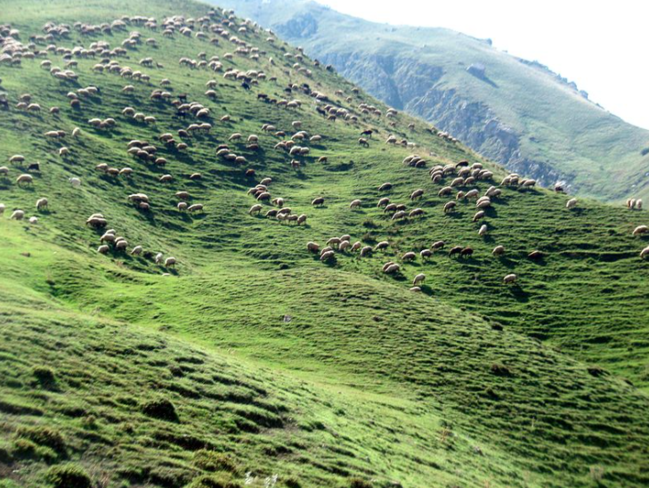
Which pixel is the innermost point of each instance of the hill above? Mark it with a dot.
(251, 362)
(511, 110)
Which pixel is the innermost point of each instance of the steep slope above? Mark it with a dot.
(516, 112)
(324, 374)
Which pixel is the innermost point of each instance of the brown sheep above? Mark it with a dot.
(409, 256)
(438, 245)
(312, 247)
(449, 207)
(318, 202)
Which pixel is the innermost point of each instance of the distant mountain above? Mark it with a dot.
(514, 111)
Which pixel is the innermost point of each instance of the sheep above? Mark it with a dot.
(136, 251)
(121, 244)
(355, 204)
(498, 251)
(334, 241)
(510, 278)
(645, 252)
(381, 246)
(415, 289)
(17, 215)
(107, 237)
(641, 229)
(27, 179)
(383, 202)
(417, 212)
(479, 215)
(449, 207)
(4, 171)
(447, 190)
(425, 254)
(326, 256)
(196, 207)
(572, 203)
(356, 246)
(41, 203)
(170, 262)
(75, 182)
(344, 245)
(638, 204)
(420, 278)
(301, 219)
(366, 251)
(17, 159)
(399, 215)
(318, 202)
(409, 256)
(536, 255)
(264, 195)
(483, 231)
(103, 249)
(158, 258)
(183, 195)
(455, 250)
(255, 209)
(312, 247)
(182, 206)
(416, 194)
(385, 187)
(392, 268)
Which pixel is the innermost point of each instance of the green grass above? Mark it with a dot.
(251, 356)
(557, 134)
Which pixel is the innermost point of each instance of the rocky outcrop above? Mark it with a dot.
(408, 85)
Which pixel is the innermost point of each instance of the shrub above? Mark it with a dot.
(213, 461)
(45, 377)
(214, 481)
(68, 476)
(359, 483)
(161, 409)
(44, 436)
(292, 482)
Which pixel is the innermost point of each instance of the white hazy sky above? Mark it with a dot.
(601, 45)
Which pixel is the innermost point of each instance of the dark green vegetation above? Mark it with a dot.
(252, 359)
(516, 112)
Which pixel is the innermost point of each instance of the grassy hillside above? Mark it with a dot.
(519, 113)
(253, 363)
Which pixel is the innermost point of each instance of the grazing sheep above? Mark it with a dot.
(438, 245)
(483, 231)
(17, 215)
(75, 182)
(158, 258)
(326, 256)
(196, 207)
(41, 203)
(318, 202)
(415, 289)
(334, 241)
(136, 251)
(409, 256)
(255, 209)
(417, 212)
(383, 202)
(381, 246)
(466, 252)
(170, 262)
(455, 250)
(449, 207)
(385, 187)
(572, 203)
(479, 215)
(356, 246)
(536, 255)
(399, 215)
(312, 247)
(355, 204)
(366, 251)
(416, 194)
(638, 204)
(26, 179)
(103, 249)
(447, 190)
(392, 268)
(641, 229)
(510, 278)
(425, 254)
(182, 206)
(301, 219)
(344, 245)
(645, 252)
(420, 278)
(17, 159)
(498, 251)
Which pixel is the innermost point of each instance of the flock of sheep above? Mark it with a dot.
(458, 181)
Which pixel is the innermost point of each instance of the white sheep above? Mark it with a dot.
(572, 203)
(420, 278)
(510, 278)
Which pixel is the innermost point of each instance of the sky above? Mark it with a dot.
(603, 46)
